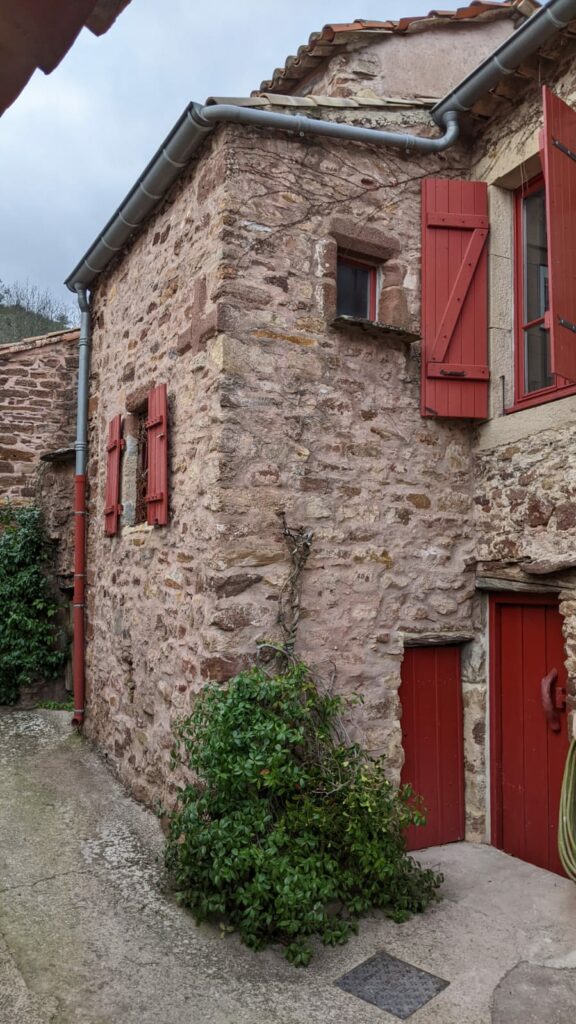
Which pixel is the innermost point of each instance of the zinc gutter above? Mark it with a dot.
(197, 121)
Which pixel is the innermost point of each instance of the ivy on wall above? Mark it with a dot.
(29, 640)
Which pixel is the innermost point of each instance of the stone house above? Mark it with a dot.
(377, 343)
(37, 414)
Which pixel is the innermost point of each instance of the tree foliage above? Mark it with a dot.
(28, 636)
(290, 831)
(26, 311)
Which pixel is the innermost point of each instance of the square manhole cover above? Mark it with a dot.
(391, 985)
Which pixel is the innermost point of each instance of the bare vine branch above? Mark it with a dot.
(299, 542)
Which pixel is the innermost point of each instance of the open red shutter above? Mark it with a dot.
(559, 162)
(112, 507)
(157, 427)
(455, 371)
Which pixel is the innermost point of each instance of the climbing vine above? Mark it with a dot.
(289, 831)
(29, 647)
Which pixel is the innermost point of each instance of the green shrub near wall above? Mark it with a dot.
(290, 831)
(28, 635)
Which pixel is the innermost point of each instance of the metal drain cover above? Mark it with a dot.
(391, 985)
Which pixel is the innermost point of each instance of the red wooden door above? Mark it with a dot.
(528, 752)
(431, 698)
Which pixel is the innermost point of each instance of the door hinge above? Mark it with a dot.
(564, 149)
(566, 323)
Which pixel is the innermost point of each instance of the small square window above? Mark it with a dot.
(356, 286)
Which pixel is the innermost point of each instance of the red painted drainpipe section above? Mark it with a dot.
(79, 601)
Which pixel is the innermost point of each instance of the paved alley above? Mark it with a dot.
(88, 934)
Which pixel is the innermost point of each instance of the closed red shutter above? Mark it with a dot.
(559, 162)
(157, 428)
(112, 507)
(455, 371)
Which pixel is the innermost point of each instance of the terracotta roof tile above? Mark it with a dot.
(321, 45)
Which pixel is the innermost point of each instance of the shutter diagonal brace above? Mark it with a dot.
(459, 291)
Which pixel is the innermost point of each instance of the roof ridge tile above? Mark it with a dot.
(321, 45)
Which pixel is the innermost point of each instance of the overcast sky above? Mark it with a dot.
(74, 141)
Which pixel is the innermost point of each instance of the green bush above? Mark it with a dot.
(28, 635)
(289, 832)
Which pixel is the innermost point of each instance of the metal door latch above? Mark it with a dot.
(553, 701)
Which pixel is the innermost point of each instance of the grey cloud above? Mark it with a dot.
(73, 143)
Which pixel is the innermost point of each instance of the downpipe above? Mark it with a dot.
(81, 447)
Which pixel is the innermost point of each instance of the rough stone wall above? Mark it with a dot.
(324, 425)
(424, 62)
(525, 466)
(228, 296)
(526, 501)
(37, 416)
(152, 315)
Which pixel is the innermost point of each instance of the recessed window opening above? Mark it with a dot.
(356, 288)
(140, 513)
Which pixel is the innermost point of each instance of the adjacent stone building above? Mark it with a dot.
(274, 300)
(37, 428)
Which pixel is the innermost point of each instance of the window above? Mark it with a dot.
(145, 464)
(535, 381)
(356, 288)
(455, 327)
(140, 508)
(545, 265)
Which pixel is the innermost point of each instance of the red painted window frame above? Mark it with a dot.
(350, 261)
(529, 399)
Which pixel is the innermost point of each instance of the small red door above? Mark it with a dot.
(529, 731)
(431, 698)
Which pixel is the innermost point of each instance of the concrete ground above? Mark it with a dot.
(88, 936)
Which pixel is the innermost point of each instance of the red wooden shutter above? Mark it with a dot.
(455, 371)
(157, 427)
(559, 162)
(112, 507)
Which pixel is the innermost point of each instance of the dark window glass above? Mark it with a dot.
(142, 469)
(537, 358)
(535, 257)
(354, 284)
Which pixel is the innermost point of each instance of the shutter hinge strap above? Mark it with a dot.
(564, 149)
(567, 323)
(154, 422)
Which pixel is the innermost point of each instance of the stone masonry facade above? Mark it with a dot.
(228, 295)
(37, 418)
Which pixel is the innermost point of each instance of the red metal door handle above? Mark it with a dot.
(552, 703)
